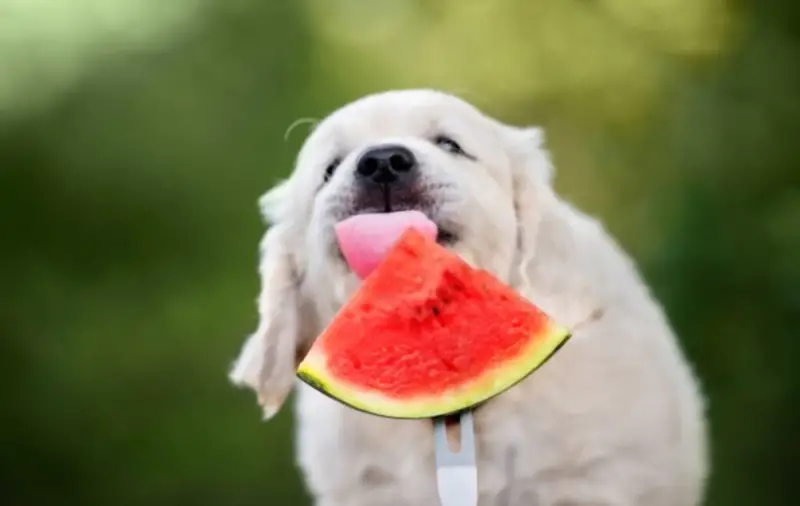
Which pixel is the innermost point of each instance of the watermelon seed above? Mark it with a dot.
(448, 365)
(436, 311)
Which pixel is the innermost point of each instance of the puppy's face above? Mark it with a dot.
(404, 150)
(398, 151)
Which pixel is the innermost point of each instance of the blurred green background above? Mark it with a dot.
(136, 135)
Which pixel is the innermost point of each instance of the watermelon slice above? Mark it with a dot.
(426, 335)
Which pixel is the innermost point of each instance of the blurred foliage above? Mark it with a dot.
(45, 47)
(609, 56)
(136, 135)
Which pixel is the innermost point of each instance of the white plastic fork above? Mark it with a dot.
(456, 473)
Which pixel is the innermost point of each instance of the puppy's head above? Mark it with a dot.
(482, 182)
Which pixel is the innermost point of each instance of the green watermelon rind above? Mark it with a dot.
(543, 345)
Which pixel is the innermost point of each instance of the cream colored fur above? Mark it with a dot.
(616, 418)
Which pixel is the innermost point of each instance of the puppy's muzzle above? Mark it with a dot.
(388, 179)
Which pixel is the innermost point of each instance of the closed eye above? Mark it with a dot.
(331, 168)
(448, 144)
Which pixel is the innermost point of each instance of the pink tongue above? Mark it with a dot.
(365, 238)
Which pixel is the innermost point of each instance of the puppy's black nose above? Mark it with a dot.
(386, 164)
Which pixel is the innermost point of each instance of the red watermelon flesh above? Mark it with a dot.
(427, 335)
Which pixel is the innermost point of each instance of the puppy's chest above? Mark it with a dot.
(511, 445)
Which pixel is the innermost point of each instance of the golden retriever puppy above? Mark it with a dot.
(616, 418)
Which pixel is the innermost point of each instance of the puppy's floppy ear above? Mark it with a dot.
(267, 361)
(532, 173)
(275, 202)
(530, 154)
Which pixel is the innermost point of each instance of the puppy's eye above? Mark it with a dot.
(331, 168)
(448, 144)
